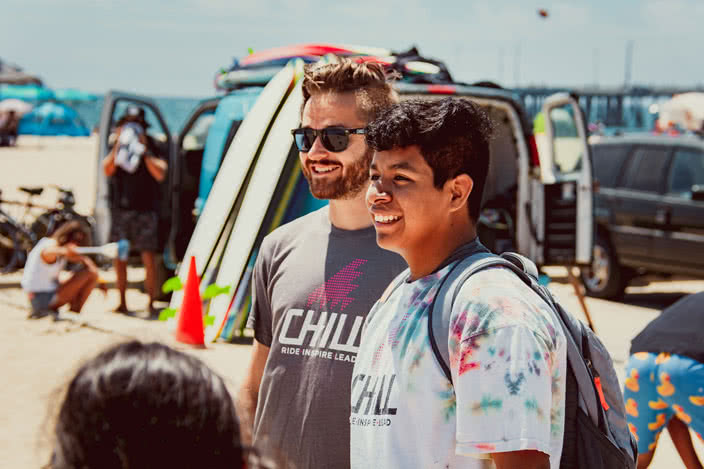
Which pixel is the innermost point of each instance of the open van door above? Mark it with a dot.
(185, 169)
(114, 107)
(566, 178)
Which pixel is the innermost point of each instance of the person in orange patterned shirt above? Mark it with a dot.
(664, 385)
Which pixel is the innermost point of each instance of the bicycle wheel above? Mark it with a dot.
(10, 251)
(45, 224)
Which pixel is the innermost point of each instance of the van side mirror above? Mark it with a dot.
(698, 193)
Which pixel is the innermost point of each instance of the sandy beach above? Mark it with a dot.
(39, 356)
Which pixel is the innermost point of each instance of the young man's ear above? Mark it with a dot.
(460, 188)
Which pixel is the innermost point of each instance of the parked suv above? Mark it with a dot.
(649, 210)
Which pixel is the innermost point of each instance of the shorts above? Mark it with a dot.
(658, 387)
(40, 302)
(139, 228)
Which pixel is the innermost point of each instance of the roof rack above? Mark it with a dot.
(258, 68)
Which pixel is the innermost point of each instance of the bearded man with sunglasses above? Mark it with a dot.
(316, 278)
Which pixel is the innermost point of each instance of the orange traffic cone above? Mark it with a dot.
(190, 321)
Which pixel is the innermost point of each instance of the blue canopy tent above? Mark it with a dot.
(53, 118)
(72, 94)
(25, 92)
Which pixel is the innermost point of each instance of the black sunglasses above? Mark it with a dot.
(335, 139)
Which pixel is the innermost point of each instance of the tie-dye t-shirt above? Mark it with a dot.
(508, 362)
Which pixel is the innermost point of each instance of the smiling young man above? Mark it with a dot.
(505, 404)
(316, 278)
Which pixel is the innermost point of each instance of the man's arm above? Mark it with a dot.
(528, 459)
(156, 167)
(52, 253)
(248, 395)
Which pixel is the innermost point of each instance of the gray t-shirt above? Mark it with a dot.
(313, 287)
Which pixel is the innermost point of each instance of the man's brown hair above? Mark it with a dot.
(369, 82)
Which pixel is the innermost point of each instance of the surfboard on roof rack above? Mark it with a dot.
(259, 67)
(309, 50)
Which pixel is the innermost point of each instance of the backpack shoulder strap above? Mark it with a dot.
(441, 308)
(439, 319)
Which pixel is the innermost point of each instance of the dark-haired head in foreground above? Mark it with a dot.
(145, 406)
(427, 177)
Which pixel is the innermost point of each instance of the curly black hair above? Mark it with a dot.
(452, 135)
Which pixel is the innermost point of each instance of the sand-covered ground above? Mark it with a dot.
(37, 357)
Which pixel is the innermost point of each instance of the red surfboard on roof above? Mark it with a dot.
(310, 50)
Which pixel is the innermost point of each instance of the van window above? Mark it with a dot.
(197, 134)
(607, 163)
(155, 128)
(687, 170)
(647, 168)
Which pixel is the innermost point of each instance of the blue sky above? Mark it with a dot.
(173, 48)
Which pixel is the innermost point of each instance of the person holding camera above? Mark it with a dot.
(135, 169)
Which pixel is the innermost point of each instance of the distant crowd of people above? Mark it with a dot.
(9, 124)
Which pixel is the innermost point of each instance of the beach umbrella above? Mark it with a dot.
(26, 92)
(19, 78)
(20, 107)
(72, 94)
(12, 74)
(53, 118)
(685, 110)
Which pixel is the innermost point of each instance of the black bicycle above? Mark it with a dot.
(48, 222)
(19, 233)
(16, 237)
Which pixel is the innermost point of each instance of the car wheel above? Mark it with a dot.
(604, 278)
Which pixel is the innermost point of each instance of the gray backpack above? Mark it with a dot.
(596, 434)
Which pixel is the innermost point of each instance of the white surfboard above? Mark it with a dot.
(276, 213)
(245, 77)
(231, 178)
(254, 206)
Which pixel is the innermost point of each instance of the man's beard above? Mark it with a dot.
(353, 180)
